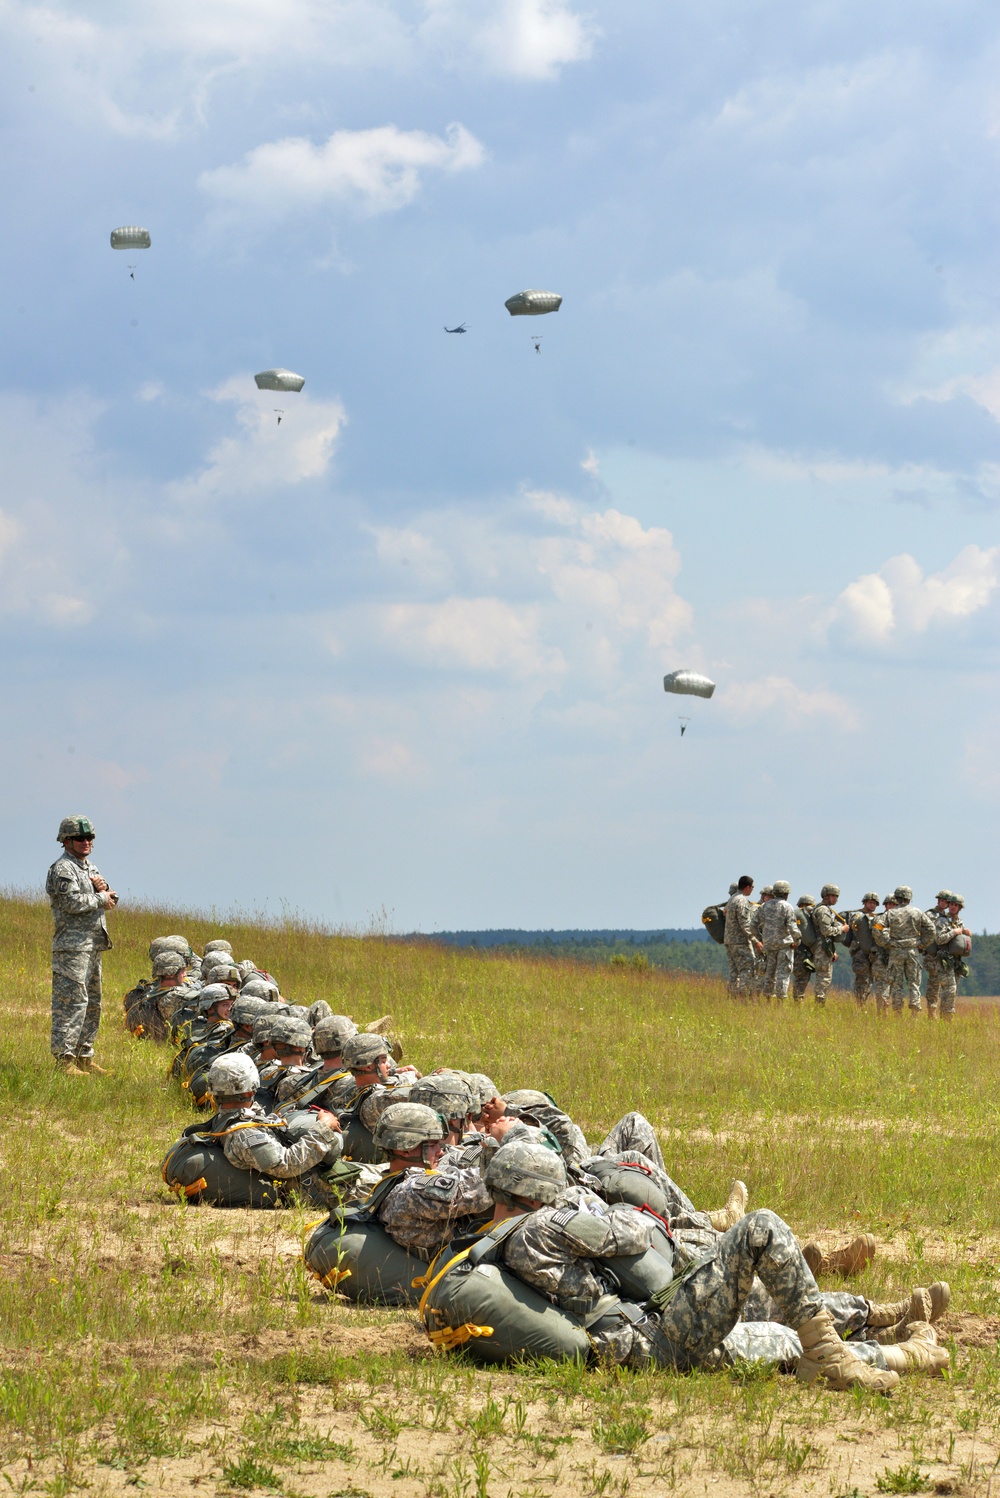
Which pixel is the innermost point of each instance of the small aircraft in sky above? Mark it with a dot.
(460, 329)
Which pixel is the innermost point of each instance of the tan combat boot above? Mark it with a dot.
(920, 1351)
(850, 1260)
(68, 1065)
(824, 1355)
(88, 1064)
(736, 1207)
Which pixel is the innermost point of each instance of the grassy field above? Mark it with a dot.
(146, 1343)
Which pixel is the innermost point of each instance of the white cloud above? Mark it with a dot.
(899, 601)
(778, 699)
(264, 455)
(379, 170)
(530, 39)
(474, 634)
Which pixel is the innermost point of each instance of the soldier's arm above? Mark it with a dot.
(258, 1149)
(70, 896)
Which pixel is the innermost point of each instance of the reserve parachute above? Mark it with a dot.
(360, 1260)
(713, 918)
(533, 303)
(688, 684)
(279, 379)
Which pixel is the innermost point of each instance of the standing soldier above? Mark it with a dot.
(933, 960)
(948, 927)
(739, 938)
(829, 929)
(756, 926)
(779, 930)
(79, 897)
(908, 929)
(880, 957)
(864, 952)
(802, 963)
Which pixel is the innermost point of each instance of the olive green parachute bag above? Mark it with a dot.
(351, 1252)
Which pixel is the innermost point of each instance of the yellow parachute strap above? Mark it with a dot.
(139, 1031)
(455, 1336)
(333, 1278)
(250, 1123)
(195, 1187)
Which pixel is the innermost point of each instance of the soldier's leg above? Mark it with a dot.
(897, 979)
(69, 1001)
(633, 1132)
(861, 963)
(800, 974)
(823, 963)
(731, 982)
(779, 1346)
(768, 979)
(742, 958)
(948, 990)
(932, 967)
(912, 969)
(782, 972)
(92, 1015)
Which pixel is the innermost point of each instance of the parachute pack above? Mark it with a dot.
(351, 1252)
(142, 1013)
(713, 918)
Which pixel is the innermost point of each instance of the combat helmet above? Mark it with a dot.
(526, 1170)
(768, 891)
(291, 1032)
(246, 1010)
(168, 963)
(171, 944)
(902, 894)
(212, 994)
(446, 1093)
(946, 895)
(830, 889)
(232, 1074)
(361, 1052)
(218, 944)
(331, 1033)
(71, 827)
(869, 895)
(781, 889)
(804, 901)
(954, 899)
(483, 1088)
(407, 1126)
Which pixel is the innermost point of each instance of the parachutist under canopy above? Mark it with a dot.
(279, 415)
(684, 723)
(460, 329)
(538, 344)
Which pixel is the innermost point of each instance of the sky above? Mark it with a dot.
(398, 660)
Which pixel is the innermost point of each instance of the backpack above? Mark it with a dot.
(713, 918)
(142, 1013)
(807, 927)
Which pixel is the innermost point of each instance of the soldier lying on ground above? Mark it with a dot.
(565, 1234)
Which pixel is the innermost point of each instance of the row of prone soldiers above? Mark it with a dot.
(514, 1236)
(773, 946)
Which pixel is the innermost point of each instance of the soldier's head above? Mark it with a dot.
(902, 894)
(291, 1038)
(217, 944)
(767, 893)
(172, 944)
(830, 894)
(245, 1013)
(955, 904)
(869, 902)
(805, 902)
(215, 1001)
(781, 889)
(222, 972)
(889, 902)
(367, 1058)
(525, 1175)
(76, 835)
(260, 988)
(169, 968)
(943, 897)
(409, 1134)
(744, 884)
(262, 1034)
(448, 1095)
(232, 1080)
(329, 1036)
(488, 1105)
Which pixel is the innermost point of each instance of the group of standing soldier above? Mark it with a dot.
(774, 946)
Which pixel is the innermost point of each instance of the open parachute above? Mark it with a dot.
(279, 379)
(533, 303)
(130, 237)
(688, 684)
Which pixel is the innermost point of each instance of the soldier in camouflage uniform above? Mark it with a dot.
(214, 1004)
(565, 1234)
(373, 1080)
(328, 1043)
(949, 926)
(740, 944)
(864, 952)
(933, 965)
(756, 926)
(906, 928)
(829, 930)
(80, 898)
(171, 986)
(802, 960)
(251, 1139)
(434, 1200)
(778, 929)
(880, 957)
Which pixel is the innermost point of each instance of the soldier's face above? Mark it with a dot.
(869, 906)
(81, 846)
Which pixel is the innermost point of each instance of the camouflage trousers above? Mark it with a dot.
(823, 963)
(934, 968)
(706, 1307)
(880, 979)
(800, 973)
(779, 1346)
(948, 989)
(904, 976)
(849, 1312)
(634, 1132)
(76, 1001)
(864, 965)
(777, 972)
(741, 969)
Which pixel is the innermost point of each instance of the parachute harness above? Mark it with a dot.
(448, 1337)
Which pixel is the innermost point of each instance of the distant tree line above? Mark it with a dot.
(689, 951)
